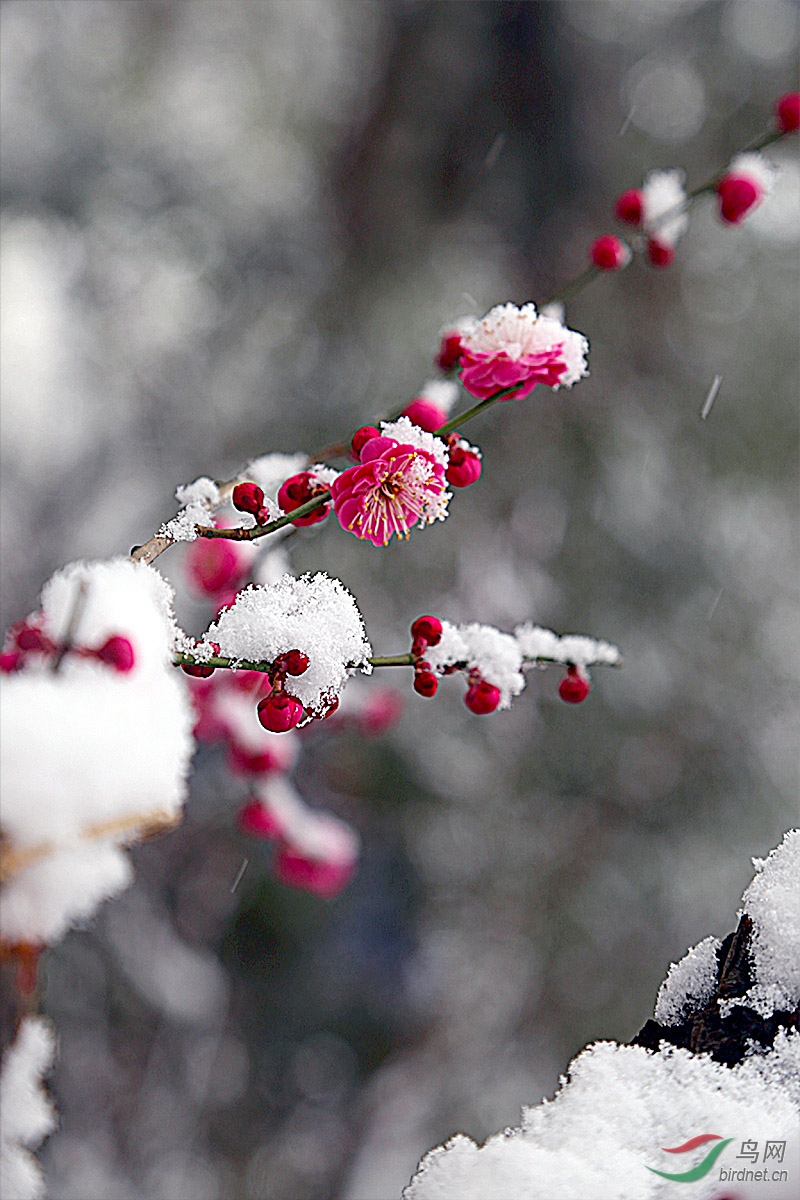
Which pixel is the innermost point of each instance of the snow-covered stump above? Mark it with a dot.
(717, 1071)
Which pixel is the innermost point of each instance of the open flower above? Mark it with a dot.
(517, 348)
(395, 486)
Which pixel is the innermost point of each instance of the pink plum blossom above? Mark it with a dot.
(395, 486)
(518, 348)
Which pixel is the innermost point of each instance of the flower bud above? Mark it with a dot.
(575, 686)
(248, 497)
(610, 253)
(482, 698)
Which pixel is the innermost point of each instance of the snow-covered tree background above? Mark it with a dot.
(230, 228)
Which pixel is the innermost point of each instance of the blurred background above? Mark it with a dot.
(235, 227)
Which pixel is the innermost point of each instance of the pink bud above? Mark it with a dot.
(245, 761)
(299, 489)
(248, 497)
(628, 207)
(482, 698)
(659, 254)
(325, 879)
(464, 467)
(383, 708)
(360, 437)
(450, 350)
(280, 712)
(425, 414)
(737, 195)
(575, 686)
(787, 110)
(118, 653)
(10, 660)
(296, 662)
(257, 820)
(610, 253)
(429, 629)
(197, 670)
(425, 684)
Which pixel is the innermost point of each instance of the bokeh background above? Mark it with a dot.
(237, 226)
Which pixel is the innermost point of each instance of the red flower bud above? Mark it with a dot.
(425, 414)
(574, 687)
(32, 639)
(737, 196)
(296, 662)
(197, 670)
(609, 253)
(118, 653)
(464, 467)
(248, 497)
(787, 111)
(450, 350)
(299, 489)
(427, 628)
(659, 253)
(482, 698)
(425, 684)
(361, 437)
(213, 565)
(628, 207)
(280, 712)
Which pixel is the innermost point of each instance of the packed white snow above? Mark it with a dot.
(271, 470)
(198, 501)
(603, 1136)
(26, 1115)
(772, 901)
(536, 643)
(483, 648)
(90, 754)
(689, 984)
(622, 1113)
(407, 433)
(314, 614)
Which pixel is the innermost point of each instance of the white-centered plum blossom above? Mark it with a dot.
(518, 348)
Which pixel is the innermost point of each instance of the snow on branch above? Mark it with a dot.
(721, 1059)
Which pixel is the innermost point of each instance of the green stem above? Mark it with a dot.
(576, 285)
(462, 418)
(378, 660)
(257, 531)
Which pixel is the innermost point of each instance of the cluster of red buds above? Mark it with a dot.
(28, 640)
(481, 696)
(278, 711)
(425, 632)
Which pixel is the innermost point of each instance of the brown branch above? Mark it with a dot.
(136, 826)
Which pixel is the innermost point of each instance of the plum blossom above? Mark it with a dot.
(395, 486)
(518, 348)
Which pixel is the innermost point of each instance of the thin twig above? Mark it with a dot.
(75, 615)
